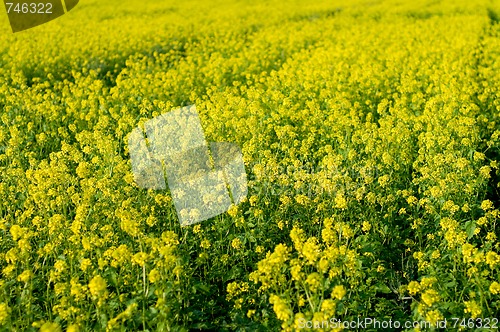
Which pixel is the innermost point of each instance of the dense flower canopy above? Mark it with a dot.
(370, 135)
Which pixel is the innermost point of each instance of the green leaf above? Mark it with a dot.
(450, 284)
(382, 288)
(470, 226)
(202, 287)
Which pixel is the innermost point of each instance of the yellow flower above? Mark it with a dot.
(154, 276)
(495, 288)
(412, 200)
(83, 170)
(433, 316)
(250, 313)
(338, 292)
(466, 208)
(302, 199)
(17, 232)
(418, 255)
(427, 282)
(113, 323)
(328, 307)
(492, 259)
(430, 296)
(473, 308)
(50, 327)
(478, 156)
(140, 258)
(86, 243)
(482, 221)
(295, 271)
(413, 287)
(491, 236)
(435, 254)
(151, 221)
(297, 235)
(60, 265)
(73, 328)
(85, 264)
(340, 201)
(205, 244)
(311, 250)
(485, 172)
(233, 210)
(4, 312)
(77, 290)
(232, 290)
(236, 244)
(384, 180)
(281, 308)
(97, 287)
(301, 302)
(25, 276)
(314, 281)
(8, 271)
(253, 200)
(487, 205)
(468, 251)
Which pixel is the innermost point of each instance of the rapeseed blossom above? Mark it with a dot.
(369, 135)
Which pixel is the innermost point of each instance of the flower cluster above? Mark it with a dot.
(369, 132)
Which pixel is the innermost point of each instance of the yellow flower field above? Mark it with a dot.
(370, 132)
